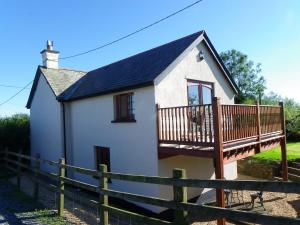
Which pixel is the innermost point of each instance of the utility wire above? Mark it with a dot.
(107, 44)
(10, 86)
(7, 100)
(133, 33)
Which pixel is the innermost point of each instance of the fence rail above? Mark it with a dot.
(179, 182)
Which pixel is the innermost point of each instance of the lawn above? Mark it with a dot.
(293, 152)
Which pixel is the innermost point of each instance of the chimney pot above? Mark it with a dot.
(50, 56)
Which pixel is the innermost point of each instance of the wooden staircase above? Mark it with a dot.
(294, 171)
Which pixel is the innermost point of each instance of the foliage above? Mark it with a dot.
(293, 152)
(14, 132)
(292, 113)
(246, 75)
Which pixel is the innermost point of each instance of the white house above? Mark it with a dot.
(108, 115)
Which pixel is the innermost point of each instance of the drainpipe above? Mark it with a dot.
(64, 132)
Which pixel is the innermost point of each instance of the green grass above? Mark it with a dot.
(293, 152)
(46, 216)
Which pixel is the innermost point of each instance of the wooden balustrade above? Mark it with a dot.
(187, 124)
(194, 124)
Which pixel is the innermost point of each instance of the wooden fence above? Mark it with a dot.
(15, 162)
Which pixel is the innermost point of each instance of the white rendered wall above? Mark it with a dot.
(133, 146)
(171, 90)
(46, 125)
(171, 87)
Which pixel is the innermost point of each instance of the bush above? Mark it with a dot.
(15, 133)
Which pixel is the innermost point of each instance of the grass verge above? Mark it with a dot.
(293, 152)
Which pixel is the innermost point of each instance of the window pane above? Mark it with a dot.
(193, 95)
(206, 95)
(124, 106)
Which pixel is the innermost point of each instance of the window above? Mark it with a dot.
(200, 92)
(102, 156)
(123, 104)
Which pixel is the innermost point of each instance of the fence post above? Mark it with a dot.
(180, 195)
(36, 176)
(61, 187)
(218, 152)
(19, 170)
(258, 127)
(283, 144)
(103, 199)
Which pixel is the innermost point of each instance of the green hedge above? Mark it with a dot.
(15, 133)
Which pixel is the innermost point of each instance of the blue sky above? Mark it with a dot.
(267, 31)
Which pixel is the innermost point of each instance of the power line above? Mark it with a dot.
(7, 100)
(105, 45)
(133, 33)
(10, 86)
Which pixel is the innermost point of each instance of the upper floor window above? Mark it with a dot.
(123, 104)
(200, 92)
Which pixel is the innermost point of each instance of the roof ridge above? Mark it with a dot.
(68, 69)
(198, 32)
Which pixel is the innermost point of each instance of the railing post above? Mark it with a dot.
(61, 186)
(19, 170)
(283, 144)
(258, 127)
(218, 152)
(180, 195)
(103, 199)
(157, 125)
(36, 176)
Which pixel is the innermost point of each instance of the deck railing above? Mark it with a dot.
(186, 124)
(194, 124)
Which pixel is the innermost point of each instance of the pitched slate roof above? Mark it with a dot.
(136, 71)
(59, 80)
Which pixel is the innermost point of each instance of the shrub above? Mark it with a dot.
(14, 133)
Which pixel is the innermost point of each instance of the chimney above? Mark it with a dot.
(50, 57)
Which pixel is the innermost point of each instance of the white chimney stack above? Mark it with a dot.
(50, 57)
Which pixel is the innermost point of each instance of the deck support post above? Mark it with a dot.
(218, 153)
(258, 126)
(283, 144)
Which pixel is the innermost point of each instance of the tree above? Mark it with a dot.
(14, 132)
(291, 110)
(246, 74)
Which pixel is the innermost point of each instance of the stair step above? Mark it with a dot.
(295, 164)
(294, 177)
(294, 170)
(278, 179)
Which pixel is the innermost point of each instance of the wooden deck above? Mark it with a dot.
(245, 130)
(225, 133)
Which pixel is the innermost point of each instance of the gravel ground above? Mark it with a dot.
(279, 204)
(13, 210)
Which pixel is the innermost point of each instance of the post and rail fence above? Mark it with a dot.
(179, 203)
